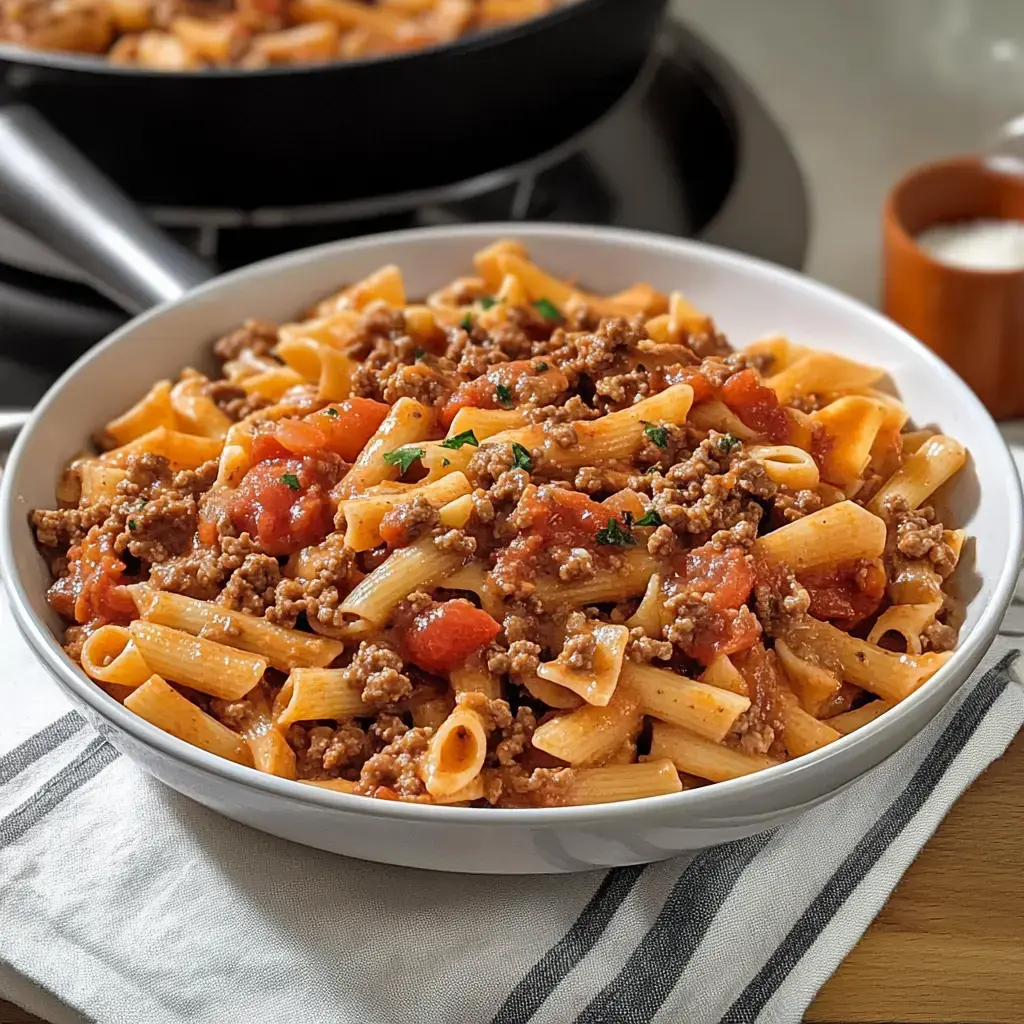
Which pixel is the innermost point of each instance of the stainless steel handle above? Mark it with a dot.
(48, 188)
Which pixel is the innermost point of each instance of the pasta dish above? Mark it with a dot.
(182, 35)
(516, 544)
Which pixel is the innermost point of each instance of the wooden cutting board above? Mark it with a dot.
(949, 946)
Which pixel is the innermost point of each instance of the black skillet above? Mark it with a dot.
(245, 139)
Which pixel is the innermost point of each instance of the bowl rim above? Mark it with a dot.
(949, 677)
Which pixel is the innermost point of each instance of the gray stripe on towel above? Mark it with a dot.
(17, 760)
(866, 853)
(88, 764)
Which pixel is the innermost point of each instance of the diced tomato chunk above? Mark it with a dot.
(483, 392)
(724, 574)
(725, 632)
(443, 637)
(93, 592)
(348, 425)
(703, 389)
(757, 406)
(845, 594)
(267, 446)
(285, 503)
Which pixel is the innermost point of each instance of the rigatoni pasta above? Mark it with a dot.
(517, 545)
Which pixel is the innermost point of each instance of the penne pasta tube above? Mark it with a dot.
(110, 656)
(723, 674)
(363, 515)
(475, 679)
(473, 790)
(812, 684)
(851, 425)
(590, 734)
(284, 649)
(485, 422)
(605, 585)
(887, 675)
(408, 421)
(617, 435)
(703, 709)
(596, 683)
(650, 615)
(787, 465)
(714, 415)
(702, 757)
(801, 732)
(552, 694)
(455, 514)
(850, 721)
(406, 569)
(272, 384)
(314, 693)
(99, 481)
(908, 620)
(162, 706)
(623, 782)
(271, 752)
(778, 349)
(337, 785)
(151, 412)
(203, 665)
(830, 536)
(475, 578)
(195, 411)
(822, 373)
(456, 753)
(922, 473)
(183, 451)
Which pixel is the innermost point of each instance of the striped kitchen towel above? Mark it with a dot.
(122, 901)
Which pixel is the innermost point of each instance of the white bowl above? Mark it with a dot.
(749, 299)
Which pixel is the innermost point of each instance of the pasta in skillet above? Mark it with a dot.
(513, 545)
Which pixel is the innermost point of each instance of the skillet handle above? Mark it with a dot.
(48, 188)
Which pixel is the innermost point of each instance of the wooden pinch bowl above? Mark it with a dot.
(972, 319)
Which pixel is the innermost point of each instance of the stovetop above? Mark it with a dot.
(690, 152)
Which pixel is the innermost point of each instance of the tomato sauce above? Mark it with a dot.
(342, 428)
(482, 393)
(93, 592)
(845, 594)
(703, 389)
(444, 636)
(285, 503)
(757, 406)
(727, 577)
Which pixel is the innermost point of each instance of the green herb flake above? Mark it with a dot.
(486, 301)
(291, 481)
(547, 309)
(615, 534)
(458, 440)
(541, 367)
(656, 468)
(142, 503)
(727, 442)
(445, 463)
(420, 353)
(403, 458)
(331, 411)
(649, 518)
(466, 323)
(132, 525)
(503, 393)
(522, 457)
(658, 435)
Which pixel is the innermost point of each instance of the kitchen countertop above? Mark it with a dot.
(865, 89)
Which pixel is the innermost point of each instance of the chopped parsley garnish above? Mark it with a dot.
(615, 534)
(445, 463)
(142, 503)
(466, 323)
(656, 468)
(659, 435)
(331, 411)
(291, 481)
(541, 367)
(403, 458)
(456, 442)
(132, 525)
(503, 393)
(522, 457)
(649, 518)
(728, 441)
(486, 301)
(547, 309)
(420, 353)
